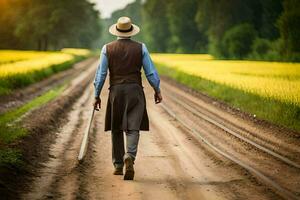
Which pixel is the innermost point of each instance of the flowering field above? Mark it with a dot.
(9, 56)
(280, 81)
(20, 68)
(267, 90)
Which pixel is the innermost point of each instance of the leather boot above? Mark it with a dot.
(129, 170)
(118, 171)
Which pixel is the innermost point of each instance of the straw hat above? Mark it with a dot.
(124, 28)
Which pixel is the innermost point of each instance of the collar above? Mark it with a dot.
(123, 38)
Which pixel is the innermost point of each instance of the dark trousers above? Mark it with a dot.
(118, 151)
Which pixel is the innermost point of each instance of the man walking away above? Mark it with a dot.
(126, 105)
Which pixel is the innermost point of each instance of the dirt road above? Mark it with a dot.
(172, 162)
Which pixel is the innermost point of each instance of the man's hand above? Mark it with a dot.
(157, 97)
(97, 103)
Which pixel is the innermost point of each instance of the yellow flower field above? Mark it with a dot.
(34, 64)
(21, 68)
(76, 52)
(8, 56)
(280, 81)
(16, 62)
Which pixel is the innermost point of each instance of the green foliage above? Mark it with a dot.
(206, 25)
(289, 26)
(157, 32)
(237, 41)
(10, 157)
(271, 11)
(194, 26)
(285, 114)
(261, 47)
(218, 16)
(9, 16)
(186, 37)
(264, 49)
(48, 24)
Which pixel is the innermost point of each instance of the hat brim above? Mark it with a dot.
(113, 30)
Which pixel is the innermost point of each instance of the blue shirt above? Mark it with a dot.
(148, 67)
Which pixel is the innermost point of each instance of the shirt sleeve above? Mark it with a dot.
(101, 72)
(150, 71)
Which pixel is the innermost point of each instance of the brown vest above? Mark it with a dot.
(124, 61)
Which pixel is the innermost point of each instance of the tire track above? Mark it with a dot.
(198, 134)
(61, 164)
(196, 112)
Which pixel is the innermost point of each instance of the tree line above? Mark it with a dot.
(48, 24)
(227, 29)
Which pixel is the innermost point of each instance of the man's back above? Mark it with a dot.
(124, 61)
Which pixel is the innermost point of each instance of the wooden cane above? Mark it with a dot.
(84, 143)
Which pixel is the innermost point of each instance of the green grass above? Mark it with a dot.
(12, 130)
(277, 112)
(10, 157)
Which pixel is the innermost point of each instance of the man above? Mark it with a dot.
(126, 105)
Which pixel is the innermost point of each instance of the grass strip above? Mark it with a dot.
(12, 130)
(284, 114)
(11, 157)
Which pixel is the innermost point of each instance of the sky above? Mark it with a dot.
(106, 7)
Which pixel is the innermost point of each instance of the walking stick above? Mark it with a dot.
(85, 139)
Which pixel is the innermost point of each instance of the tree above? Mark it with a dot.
(36, 24)
(237, 41)
(48, 24)
(198, 26)
(156, 27)
(217, 16)
(271, 10)
(289, 26)
(260, 48)
(9, 15)
(185, 36)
